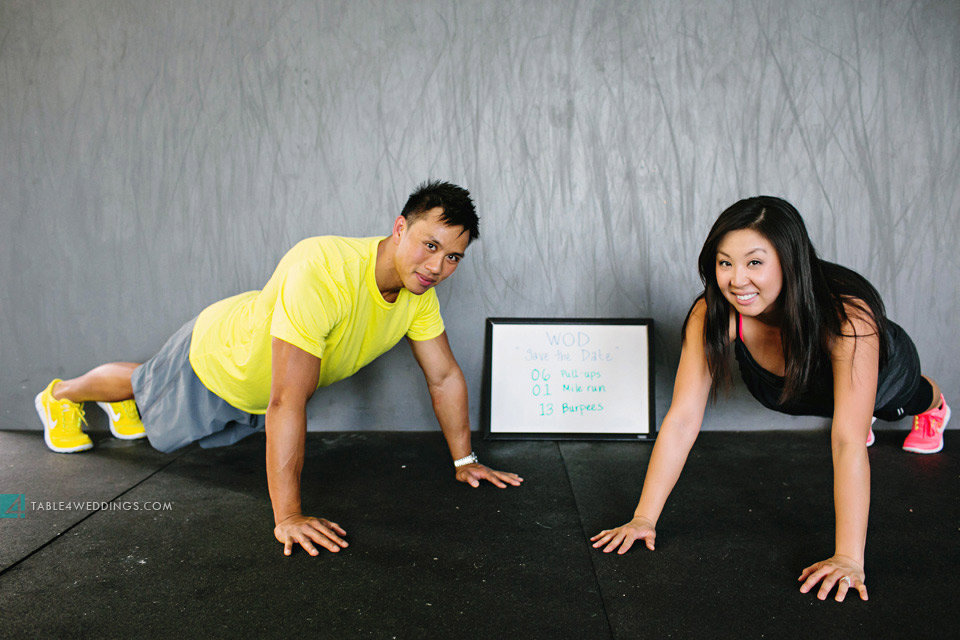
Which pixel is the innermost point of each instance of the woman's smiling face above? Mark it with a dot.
(748, 272)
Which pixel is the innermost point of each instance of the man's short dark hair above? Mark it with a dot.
(458, 210)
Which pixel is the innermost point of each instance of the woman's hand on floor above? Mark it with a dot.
(842, 571)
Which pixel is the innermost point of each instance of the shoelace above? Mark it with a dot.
(72, 414)
(129, 410)
(929, 430)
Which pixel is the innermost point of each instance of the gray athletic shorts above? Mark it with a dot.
(177, 409)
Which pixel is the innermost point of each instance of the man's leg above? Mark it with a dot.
(107, 383)
(60, 407)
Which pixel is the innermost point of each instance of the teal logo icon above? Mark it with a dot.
(13, 505)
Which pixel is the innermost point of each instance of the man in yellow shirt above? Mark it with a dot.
(252, 361)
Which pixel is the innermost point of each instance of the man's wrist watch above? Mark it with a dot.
(470, 459)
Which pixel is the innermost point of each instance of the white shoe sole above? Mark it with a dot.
(946, 419)
(106, 409)
(45, 419)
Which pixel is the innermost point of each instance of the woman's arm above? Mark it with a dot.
(677, 434)
(855, 369)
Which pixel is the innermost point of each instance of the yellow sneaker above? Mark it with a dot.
(124, 419)
(61, 422)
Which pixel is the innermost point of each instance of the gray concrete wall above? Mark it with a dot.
(156, 156)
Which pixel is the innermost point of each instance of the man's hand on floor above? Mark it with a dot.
(308, 532)
(472, 474)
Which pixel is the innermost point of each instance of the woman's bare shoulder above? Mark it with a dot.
(697, 320)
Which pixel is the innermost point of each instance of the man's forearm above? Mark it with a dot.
(286, 442)
(450, 406)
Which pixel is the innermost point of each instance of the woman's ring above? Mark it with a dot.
(847, 578)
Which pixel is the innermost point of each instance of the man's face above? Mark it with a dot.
(428, 250)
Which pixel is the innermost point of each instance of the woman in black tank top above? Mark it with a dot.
(810, 338)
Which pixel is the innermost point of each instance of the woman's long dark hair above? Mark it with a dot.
(811, 300)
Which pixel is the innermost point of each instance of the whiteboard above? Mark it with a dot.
(568, 379)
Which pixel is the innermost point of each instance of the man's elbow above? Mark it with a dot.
(283, 402)
(453, 382)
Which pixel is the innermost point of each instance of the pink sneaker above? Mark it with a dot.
(927, 433)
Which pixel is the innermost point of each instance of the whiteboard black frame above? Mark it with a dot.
(485, 406)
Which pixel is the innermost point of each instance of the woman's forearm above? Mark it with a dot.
(666, 462)
(851, 494)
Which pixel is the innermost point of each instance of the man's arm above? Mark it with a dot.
(295, 377)
(448, 391)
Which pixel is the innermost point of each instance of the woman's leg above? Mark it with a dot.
(107, 383)
(926, 435)
(935, 401)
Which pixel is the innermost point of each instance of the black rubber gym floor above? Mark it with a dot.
(433, 558)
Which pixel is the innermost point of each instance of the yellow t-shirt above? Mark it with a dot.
(322, 298)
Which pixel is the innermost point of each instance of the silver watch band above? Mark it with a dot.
(470, 459)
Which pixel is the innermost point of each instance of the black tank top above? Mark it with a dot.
(896, 380)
